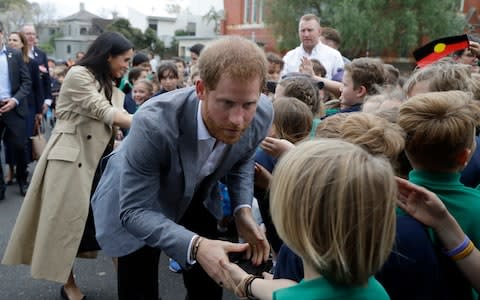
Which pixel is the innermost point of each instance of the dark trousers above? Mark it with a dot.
(137, 276)
(15, 137)
(197, 282)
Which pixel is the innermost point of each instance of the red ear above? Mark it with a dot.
(464, 157)
(200, 89)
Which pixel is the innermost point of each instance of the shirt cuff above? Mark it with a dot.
(48, 102)
(16, 101)
(191, 261)
(241, 206)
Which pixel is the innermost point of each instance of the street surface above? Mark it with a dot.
(96, 277)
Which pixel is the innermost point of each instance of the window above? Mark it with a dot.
(247, 12)
(260, 9)
(191, 28)
(253, 11)
(69, 49)
(153, 26)
(83, 31)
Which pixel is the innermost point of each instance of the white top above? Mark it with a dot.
(330, 58)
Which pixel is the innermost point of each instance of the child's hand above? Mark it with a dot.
(276, 147)
(475, 48)
(262, 177)
(306, 66)
(420, 203)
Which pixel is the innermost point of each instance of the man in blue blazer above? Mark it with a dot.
(161, 183)
(15, 85)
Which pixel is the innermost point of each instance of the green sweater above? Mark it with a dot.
(461, 201)
(322, 289)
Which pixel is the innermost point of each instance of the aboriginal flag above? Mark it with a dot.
(437, 49)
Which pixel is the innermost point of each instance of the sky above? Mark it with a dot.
(104, 8)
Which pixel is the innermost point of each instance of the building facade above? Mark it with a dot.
(78, 32)
(168, 25)
(471, 9)
(246, 18)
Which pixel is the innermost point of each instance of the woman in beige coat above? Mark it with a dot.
(49, 231)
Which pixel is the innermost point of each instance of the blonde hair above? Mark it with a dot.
(309, 17)
(439, 126)
(194, 72)
(445, 77)
(331, 127)
(386, 104)
(292, 119)
(334, 204)
(235, 57)
(374, 134)
(147, 84)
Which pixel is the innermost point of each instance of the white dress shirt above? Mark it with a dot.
(330, 58)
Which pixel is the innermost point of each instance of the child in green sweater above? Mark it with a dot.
(440, 130)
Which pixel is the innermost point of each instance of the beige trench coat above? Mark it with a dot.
(51, 221)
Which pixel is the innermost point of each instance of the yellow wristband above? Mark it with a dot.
(465, 252)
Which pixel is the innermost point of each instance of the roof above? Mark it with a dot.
(82, 15)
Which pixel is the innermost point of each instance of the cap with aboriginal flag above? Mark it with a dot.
(437, 49)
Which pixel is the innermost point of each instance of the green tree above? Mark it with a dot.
(141, 41)
(15, 13)
(49, 47)
(152, 41)
(369, 27)
(214, 16)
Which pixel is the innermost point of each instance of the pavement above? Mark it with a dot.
(95, 277)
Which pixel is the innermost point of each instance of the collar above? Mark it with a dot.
(31, 52)
(202, 133)
(4, 49)
(314, 50)
(426, 178)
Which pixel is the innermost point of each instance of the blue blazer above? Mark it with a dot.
(155, 171)
(41, 58)
(20, 85)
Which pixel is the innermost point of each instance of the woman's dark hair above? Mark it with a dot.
(108, 44)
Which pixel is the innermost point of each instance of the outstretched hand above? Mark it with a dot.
(306, 66)
(248, 229)
(276, 147)
(212, 253)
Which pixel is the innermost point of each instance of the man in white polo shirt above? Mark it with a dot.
(311, 47)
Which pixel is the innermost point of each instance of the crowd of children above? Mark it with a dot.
(341, 222)
(422, 128)
(425, 126)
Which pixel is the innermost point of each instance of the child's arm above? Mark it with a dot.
(245, 285)
(475, 48)
(427, 208)
(331, 86)
(276, 147)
